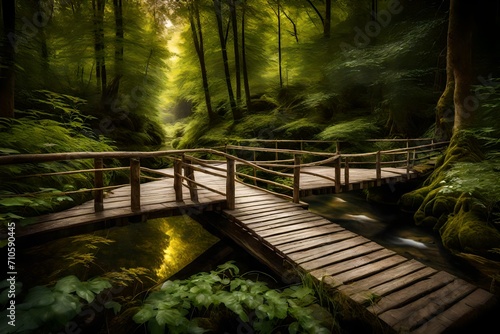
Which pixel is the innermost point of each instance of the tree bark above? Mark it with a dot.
(328, 19)
(234, 21)
(246, 83)
(194, 20)
(7, 56)
(458, 72)
(119, 36)
(461, 57)
(99, 48)
(232, 101)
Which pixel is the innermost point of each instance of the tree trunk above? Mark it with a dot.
(279, 45)
(458, 72)
(232, 101)
(119, 36)
(328, 19)
(234, 21)
(7, 68)
(98, 20)
(194, 20)
(248, 99)
(461, 17)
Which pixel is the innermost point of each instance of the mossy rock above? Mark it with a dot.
(465, 232)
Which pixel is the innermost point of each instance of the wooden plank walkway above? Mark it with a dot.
(401, 294)
(404, 294)
(359, 178)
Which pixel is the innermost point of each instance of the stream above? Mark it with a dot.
(393, 229)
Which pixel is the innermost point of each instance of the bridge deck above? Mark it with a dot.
(402, 294)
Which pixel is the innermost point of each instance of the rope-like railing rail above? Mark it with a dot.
(186, 163)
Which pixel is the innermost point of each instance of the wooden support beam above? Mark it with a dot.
(135, 184)
(346, 173)
(189, 173)
(338, 186)
(378, 168)
(99, 184)
(230, 184)
(296, 179)
(178, 180)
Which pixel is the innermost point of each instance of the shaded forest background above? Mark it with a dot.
(131, 70)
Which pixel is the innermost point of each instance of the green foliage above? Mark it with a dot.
(352, 131)
(45, 309)
(253, 302)
(35, 133)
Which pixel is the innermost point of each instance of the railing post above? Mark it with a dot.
(98, 183)
(230, 184)
(276, 147)
(296, 178)
(346, 173)
(189, 173)
(178, 180)
(378, 167)
(338, 185)
(408, 159)
(135, 184)
(255, 169)
(337, 147)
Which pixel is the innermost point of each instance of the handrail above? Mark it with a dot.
(185, 164)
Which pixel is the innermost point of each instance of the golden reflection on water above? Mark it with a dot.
(187, 241)
(160, 247)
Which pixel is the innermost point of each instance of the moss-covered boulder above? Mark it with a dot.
(458, 199)
(467, 232)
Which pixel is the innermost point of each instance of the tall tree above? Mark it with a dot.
(328, 19)
(244, 58)
(7, 58)
(119, 36)
(458, 71)
(98, 7)
(234, 22)
(218, 13)
(196, 30)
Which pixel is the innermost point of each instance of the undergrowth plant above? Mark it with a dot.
(46, 309)
(181, 305)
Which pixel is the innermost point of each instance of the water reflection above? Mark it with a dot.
(153, 250)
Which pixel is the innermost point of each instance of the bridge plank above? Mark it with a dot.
(351, 253)
(318, 252)
(296, 227)
(304, 234)
(313, 242)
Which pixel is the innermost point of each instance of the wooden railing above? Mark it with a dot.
(185, 163)
(183, 172)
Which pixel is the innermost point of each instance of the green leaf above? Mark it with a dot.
(145, 314)
(16, 201)
(7, 151)
(293, 328)
(68, 284)
(170, 317)
(37, 297)
(85, 293)
(98, 284)
(113, 305)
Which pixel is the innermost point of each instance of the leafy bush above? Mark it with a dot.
(179, 305)
(45, 309)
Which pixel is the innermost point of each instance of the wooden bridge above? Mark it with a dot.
(400, 294)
